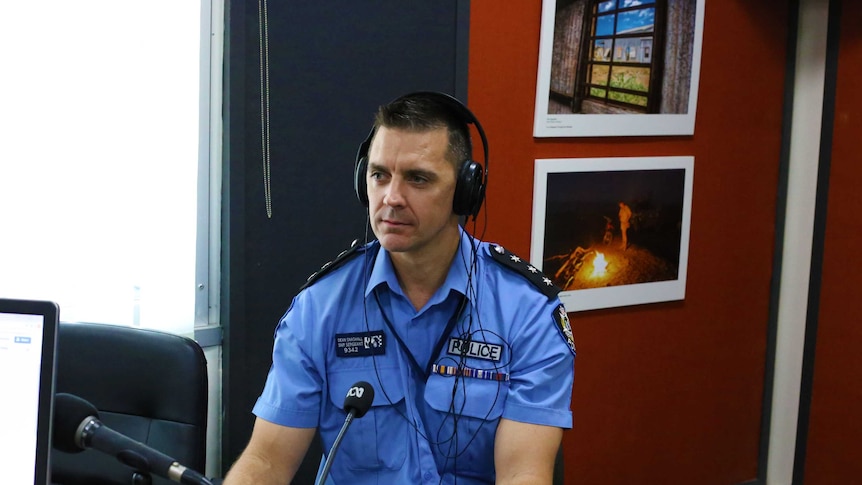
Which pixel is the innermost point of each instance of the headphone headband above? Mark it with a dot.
(472, 178)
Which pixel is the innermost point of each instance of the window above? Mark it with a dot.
(105, 115)
(620, 66)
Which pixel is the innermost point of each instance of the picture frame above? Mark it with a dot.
(618, 67)
(577, 232)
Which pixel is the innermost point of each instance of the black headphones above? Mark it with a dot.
(472, 177)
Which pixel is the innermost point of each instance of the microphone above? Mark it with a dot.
(356, 404)
(77, 427)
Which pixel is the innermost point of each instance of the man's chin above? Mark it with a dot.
(394, 243)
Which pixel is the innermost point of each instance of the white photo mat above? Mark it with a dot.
(675, 114)
(575, 209)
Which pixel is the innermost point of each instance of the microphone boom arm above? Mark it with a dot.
(329, 458)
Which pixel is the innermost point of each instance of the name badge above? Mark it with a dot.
(476, 349)
(362, 344)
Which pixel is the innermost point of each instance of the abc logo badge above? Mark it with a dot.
(356, 392)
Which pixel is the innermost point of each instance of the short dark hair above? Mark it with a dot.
(423, 112)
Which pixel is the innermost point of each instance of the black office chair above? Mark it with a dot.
(559, 474)
(150, 386)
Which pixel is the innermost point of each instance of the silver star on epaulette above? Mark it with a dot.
(532, 269)
(515, 258)
(547, 281)
(499, 249)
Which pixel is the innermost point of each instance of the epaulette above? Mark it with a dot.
(525, 269)
(339, 260)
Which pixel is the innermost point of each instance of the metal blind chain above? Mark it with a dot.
(264, 104)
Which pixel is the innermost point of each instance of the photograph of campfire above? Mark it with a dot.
(613, 231)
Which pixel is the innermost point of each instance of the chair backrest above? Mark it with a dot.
(559, 475)
(151, 386)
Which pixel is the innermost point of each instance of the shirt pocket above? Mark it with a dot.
(379, 440)
(471, 417)
(474, 398)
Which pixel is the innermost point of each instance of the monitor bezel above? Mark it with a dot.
(50, 313)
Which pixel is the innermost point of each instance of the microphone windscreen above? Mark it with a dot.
(69, 412)
(359, 399)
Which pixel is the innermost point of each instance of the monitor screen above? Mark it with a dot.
(28, 331)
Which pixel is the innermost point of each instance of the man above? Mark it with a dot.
(467, 347)
(625, 216)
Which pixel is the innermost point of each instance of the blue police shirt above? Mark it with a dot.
(508, 353)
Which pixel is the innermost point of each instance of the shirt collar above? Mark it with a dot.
(456, 280)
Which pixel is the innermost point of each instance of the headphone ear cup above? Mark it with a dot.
(469, 189)
(359, 184)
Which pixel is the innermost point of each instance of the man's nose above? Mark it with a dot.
(394, 194)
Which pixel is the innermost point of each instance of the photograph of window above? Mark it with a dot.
(618, 70)
(618, 67)
(613, 231)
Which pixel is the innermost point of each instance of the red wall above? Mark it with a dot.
(835, 429)
(669, 392)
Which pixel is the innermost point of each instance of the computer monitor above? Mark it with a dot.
(28, 345)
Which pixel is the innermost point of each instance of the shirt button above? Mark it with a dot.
(428, 476)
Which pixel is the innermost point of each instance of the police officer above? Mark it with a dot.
(467, 346)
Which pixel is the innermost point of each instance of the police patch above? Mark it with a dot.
(561, 318)
(475, 349)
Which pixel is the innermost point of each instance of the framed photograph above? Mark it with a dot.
(613, 231)
(618, 67)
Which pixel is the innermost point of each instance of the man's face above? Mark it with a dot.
(411, 185)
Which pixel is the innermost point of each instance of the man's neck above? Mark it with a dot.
(421, 275)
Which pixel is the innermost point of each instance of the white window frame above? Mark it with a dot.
(208, 248)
